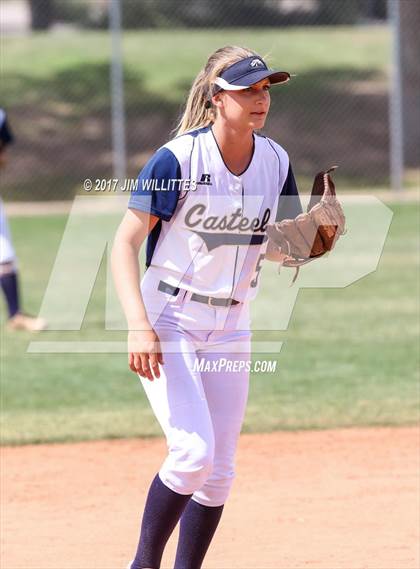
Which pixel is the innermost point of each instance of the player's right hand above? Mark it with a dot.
(144, 353)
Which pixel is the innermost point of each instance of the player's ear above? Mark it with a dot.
(217, 100)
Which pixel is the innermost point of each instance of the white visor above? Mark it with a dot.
(227, 86)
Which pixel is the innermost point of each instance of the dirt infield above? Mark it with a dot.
(331, 499)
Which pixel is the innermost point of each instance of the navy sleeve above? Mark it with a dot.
(158, 186)
(289, 205)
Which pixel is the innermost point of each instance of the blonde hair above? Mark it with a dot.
(196, 115)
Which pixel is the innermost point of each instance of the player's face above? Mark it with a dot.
(247, 108)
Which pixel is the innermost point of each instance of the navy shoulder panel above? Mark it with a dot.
(202, 130)
(289, 205)
(158, 185)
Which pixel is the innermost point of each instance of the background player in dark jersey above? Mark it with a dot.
(9, 275)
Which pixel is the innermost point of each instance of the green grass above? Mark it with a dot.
(76, 55)
(350, 355)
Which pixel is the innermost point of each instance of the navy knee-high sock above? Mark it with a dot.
(9, 284)
(161, 514)
(197, 528)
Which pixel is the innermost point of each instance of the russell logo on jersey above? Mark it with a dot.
(205, 180)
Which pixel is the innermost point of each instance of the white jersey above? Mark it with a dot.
(210, 237)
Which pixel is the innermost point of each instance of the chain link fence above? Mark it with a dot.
(56, 84)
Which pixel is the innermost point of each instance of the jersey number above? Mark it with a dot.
(258, 268)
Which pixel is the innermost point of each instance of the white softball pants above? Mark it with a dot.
(7, 252)
(200, 411)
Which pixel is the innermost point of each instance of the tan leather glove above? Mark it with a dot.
(310, 235)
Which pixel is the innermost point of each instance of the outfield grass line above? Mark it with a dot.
(31, 209)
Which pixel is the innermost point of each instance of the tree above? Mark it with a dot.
(41, 14)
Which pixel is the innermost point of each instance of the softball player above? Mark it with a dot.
(9, 279)
(203, 202)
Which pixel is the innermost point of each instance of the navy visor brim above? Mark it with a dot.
(249, 79)
(274, 77)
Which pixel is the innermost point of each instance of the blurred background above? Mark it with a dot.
(85, 101)
(347, 104)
